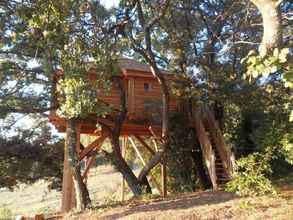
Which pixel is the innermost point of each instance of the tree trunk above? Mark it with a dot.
(81, 192)
(123, 167)
(149, 56)
(150, 165)
(134, 184)
(272, 30)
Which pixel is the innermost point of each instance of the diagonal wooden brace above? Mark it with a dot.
(96, 144)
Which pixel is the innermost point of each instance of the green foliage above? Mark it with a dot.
(31, 157)
(274, 137)
(264, 66)
(257, 65)
(250, 178)
(287, 147)
(180, 162)
(78, 99)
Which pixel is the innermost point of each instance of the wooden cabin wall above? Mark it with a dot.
(139, 100)
(113, 96)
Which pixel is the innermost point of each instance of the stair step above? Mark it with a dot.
(221, 174)
(219, 170)
(221, 179)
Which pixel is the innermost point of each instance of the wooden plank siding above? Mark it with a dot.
(136, 96)
(138, 100)
(141, 96)
(113, 96)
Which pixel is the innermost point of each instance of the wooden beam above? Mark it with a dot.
(164, 175)
(95, 144)
(123, 151)
(145, 144)
(78, 126)
(137, 151)
(144, 163)
(155, 144)
(89, 163)
(154, 134)
(131, 98)
(105, 121)
(68, 194)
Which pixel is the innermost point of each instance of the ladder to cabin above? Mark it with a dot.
(216, 154)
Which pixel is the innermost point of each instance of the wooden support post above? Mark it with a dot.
(68, 192)
(78, 127)
(155, 143)
(67, 183)
(123, 151)
(131, 98)
(164, 175)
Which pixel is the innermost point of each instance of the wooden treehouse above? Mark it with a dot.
(143, 102)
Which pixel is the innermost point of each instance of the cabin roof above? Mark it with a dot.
(130, 68)
(134, 65)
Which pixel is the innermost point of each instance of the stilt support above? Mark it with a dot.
(164, 175)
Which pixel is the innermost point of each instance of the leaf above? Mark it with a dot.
(291, 116)
(288, 84)
(276, 52)
(283, 55)
(255, 74)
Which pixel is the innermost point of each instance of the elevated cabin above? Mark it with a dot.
(143, 100)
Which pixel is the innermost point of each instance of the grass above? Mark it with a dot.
(6, 213)
(31, 199)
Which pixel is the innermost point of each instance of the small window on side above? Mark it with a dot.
(147, 87)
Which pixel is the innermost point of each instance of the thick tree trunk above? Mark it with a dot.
(150, 58)
(150, 165)
(272, 29)
(133, 182)
(123, 167)
(82, 195)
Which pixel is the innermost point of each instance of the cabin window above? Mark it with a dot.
(147, 87)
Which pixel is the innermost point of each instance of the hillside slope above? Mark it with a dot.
(200, 205)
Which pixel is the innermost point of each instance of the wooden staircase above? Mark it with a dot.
(216, 154)
(222, 177)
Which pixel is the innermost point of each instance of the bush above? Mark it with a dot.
(250, 177)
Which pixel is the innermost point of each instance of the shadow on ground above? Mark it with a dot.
(182, 202)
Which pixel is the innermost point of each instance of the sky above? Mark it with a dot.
(27, 122)
(109, 3)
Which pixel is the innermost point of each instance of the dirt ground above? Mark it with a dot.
(104, 186)
(199, 206)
